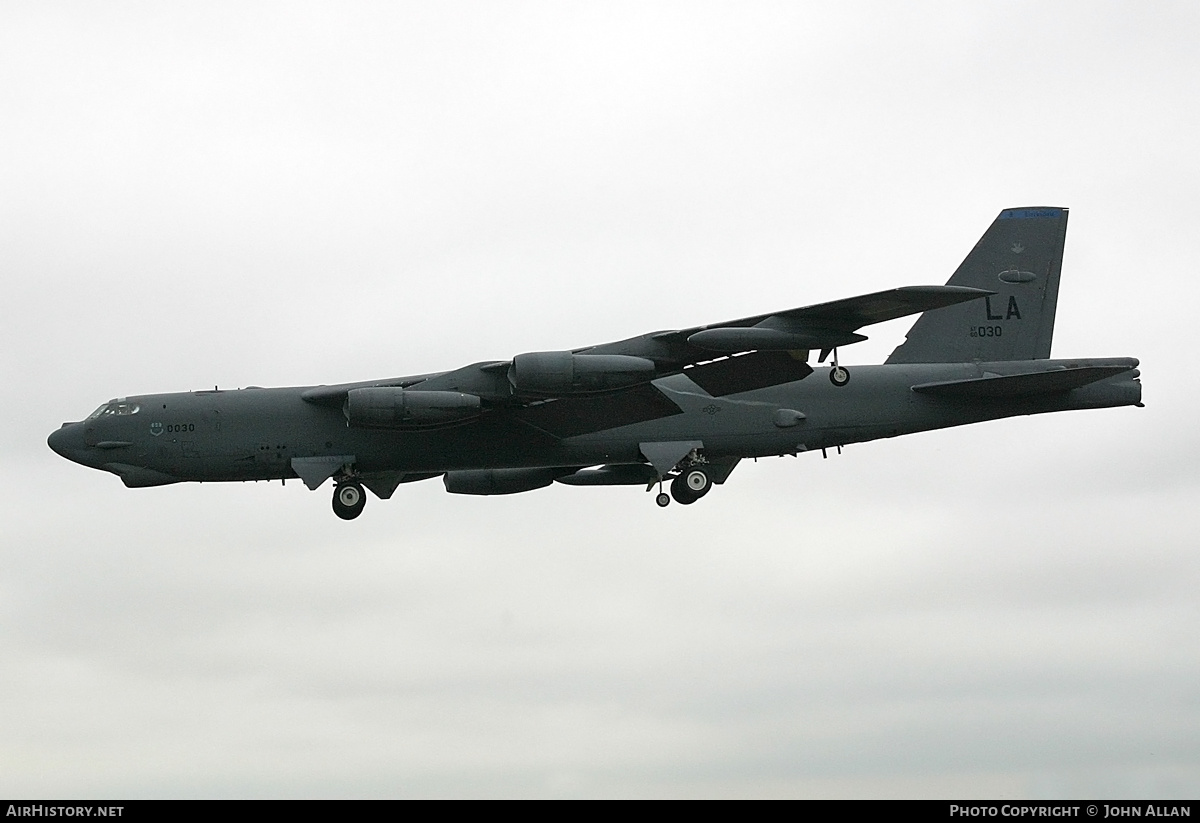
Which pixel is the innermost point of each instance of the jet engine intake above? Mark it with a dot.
(391, 408)
(557, 373)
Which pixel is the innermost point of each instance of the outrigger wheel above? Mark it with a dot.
(348, 500)
(837, 375)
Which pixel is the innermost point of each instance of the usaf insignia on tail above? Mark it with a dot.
(679, 407)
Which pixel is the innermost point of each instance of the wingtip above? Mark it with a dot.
(1032, 212)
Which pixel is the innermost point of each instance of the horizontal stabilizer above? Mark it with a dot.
(1021, 385)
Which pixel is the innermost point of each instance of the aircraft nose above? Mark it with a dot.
(66, 440)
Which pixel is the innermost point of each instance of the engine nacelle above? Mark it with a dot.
(556, 373)
(497, 481)
(389, 408)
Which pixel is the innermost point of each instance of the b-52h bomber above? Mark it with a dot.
(679, 407)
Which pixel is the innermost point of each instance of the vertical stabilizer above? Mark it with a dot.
(1020, 259)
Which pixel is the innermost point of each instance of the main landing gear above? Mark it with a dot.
(690, 485)
(687, 487)
(348, 500)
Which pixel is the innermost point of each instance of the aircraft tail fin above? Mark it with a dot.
(1019, 258)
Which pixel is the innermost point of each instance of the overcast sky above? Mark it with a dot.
(289, 194)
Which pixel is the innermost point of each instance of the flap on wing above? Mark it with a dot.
(1021, 385)
(747, 372)
(571, 416)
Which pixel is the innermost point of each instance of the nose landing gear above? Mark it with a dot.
(348, 500)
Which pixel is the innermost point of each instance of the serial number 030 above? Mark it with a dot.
(986, 331)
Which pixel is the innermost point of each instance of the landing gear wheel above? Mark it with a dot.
(349, 500)
(663, 500)
(839, 376)
(697, 481)
(680, 491)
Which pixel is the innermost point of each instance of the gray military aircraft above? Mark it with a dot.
(682, 406)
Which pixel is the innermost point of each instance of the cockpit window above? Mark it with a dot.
(120, 407)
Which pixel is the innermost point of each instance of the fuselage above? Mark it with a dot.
(256, 433)
(679, 406)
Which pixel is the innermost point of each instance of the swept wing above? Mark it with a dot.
(703, 350)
